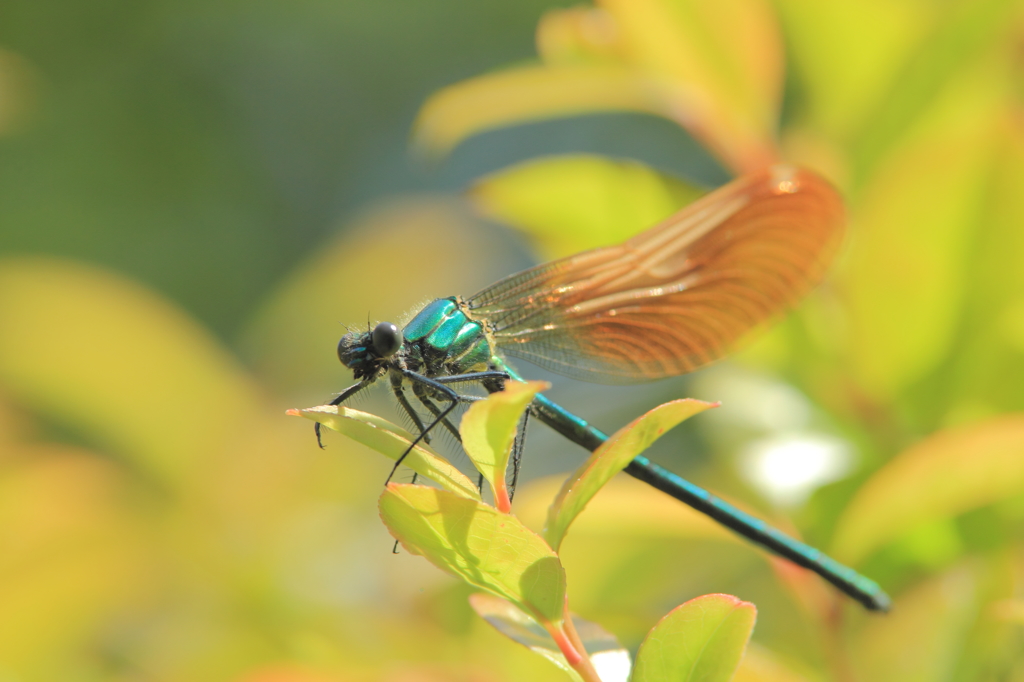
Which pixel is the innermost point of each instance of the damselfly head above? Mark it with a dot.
(365, 352)
(387, 339)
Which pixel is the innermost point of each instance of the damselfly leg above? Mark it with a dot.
(437, 387)
(338, 400)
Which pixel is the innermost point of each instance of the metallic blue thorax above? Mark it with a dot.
(443, 332)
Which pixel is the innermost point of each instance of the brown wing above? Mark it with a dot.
(679, 295)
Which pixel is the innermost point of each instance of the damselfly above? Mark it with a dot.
(666, 302)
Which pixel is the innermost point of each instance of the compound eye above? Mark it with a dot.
(386, 339)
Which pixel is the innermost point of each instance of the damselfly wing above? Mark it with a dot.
(681, 294)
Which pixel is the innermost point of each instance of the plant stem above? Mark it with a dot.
(584, 667)
(569, 644)
(501, 498)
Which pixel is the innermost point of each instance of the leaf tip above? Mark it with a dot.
(732, 599)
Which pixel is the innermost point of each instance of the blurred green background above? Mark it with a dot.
(195, 198)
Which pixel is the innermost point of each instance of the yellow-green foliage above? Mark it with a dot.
(161, 519)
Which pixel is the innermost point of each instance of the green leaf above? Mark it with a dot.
(702, 640)
(473, 541)
(525, 94)
(140, 377)
(967, 29)
(713, 68)
(572, 203)
(846, 53)
(521, 629)
(762, 665)
(988, 363)
(626, 509)
(610, 459)
(489, 428)
(926, 635)
(606, 654)
(391, 441)
(905, 278)
(725, 60)
(944, 475)
(74, 551)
